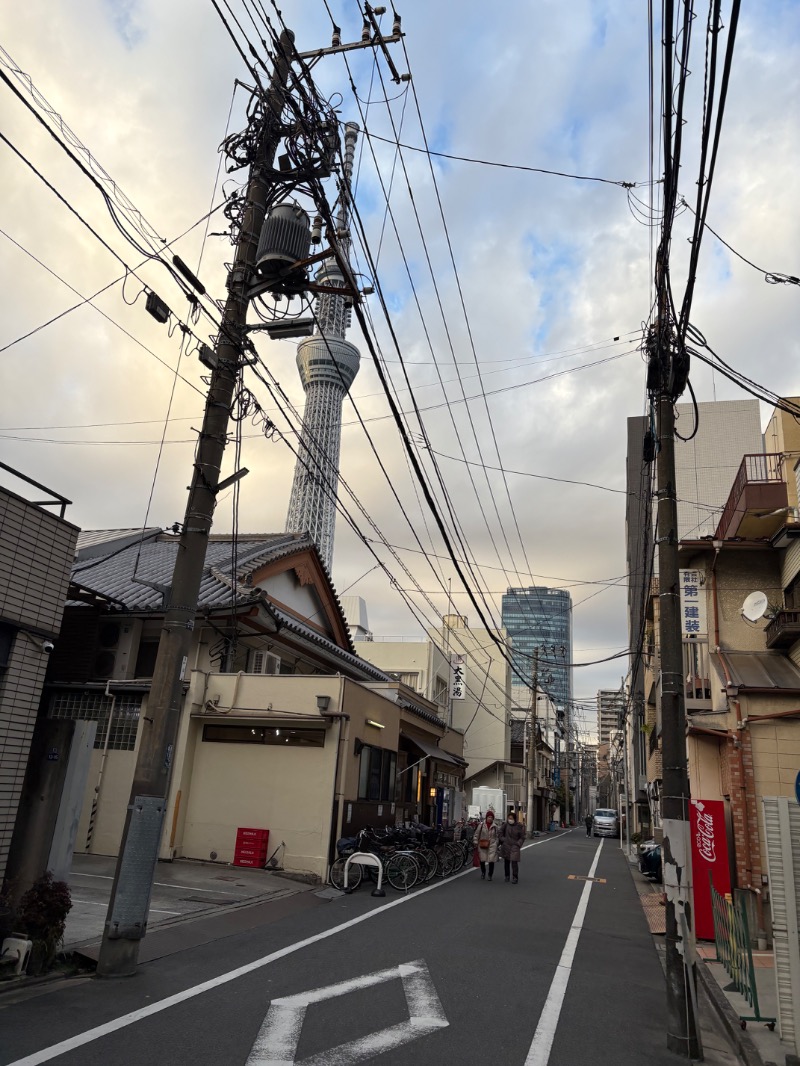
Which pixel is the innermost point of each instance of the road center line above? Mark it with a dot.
(539, 1054)
(73, 1042)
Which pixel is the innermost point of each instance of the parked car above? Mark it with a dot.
(605, 823)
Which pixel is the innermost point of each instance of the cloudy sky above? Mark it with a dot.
(554, 274)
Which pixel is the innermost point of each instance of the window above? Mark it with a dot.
(440, 691)
(377, 774)
(257, 734)
(96, 707)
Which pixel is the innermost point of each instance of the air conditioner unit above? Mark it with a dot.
(264, 662)
(117, 648)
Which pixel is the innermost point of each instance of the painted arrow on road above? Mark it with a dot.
(277, 1040)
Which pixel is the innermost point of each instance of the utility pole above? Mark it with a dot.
(683, 1035)
(126, 920)
(532, 740)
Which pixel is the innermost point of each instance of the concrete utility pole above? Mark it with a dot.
(126, 921)
(683, 1036)
(532, 740)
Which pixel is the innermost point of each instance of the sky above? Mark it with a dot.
(523, 292)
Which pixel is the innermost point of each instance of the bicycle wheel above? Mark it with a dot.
(401, 872)
(444, 860)
(457, 855)
(427, 860)
(354, 874)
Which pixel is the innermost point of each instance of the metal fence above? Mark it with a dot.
(732, 940)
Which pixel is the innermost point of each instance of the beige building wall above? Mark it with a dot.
(783, 435)
(485, 713)
(421, 658)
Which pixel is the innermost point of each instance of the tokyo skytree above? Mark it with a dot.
(328, 365)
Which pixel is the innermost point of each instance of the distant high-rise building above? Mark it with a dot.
(540, 619)
(328, 365)
(610, 708)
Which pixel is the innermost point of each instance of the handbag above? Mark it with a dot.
(484, 843)
(476, 858)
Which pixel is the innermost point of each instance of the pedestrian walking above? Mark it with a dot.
(587, 821)
(486, 841)
(511, 836)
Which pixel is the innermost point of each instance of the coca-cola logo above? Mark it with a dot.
(705, 836)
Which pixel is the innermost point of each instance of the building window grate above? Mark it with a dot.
(96, 707)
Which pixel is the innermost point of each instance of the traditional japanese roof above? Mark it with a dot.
(138, 573)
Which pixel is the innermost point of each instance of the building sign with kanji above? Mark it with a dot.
(458, 677)
(693, 603)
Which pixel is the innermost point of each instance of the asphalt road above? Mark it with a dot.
(554, 971)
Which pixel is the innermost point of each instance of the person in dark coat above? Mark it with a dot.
(587, 821)
(512, 834)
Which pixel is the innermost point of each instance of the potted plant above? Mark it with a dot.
(42, 912)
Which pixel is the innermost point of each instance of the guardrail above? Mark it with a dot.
(732, 941)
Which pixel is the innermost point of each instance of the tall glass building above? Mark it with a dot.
(540, 619)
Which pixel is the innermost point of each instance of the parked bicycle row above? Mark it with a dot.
(409, 855)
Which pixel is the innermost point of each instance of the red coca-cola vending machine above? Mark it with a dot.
(709, 861)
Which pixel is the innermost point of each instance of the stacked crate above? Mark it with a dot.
(251, 847)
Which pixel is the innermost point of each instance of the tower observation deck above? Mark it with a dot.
(328, 365)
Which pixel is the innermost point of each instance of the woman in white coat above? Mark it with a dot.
(486, 841)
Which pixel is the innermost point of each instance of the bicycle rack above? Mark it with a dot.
(365, 858)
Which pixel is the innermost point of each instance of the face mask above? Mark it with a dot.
(511, 821)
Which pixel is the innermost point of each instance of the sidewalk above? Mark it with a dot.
(192, 903)
(754, 1045)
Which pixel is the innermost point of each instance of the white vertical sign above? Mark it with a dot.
(458, 677)
(693, 603)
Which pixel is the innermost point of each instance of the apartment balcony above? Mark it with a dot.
(758, 501)
(783, 630)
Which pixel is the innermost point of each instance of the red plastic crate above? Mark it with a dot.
(252, 838)
(250, 853)
(243, 861)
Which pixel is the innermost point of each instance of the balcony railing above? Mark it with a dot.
(759, 485)
(783, 630)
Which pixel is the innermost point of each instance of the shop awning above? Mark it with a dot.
(432, 752)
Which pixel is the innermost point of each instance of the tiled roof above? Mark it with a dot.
(113, 574)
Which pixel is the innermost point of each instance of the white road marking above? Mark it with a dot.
(164, 884)
(277, 1040)
(152, 910)
(539, 1054)
(80, 1039)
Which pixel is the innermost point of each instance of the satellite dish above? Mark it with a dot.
(755, 606)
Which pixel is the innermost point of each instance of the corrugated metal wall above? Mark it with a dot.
(782, 835)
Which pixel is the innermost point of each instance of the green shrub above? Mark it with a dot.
(42, 912)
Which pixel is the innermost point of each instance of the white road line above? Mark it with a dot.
(152, 910)
(73, 1042)
(539, 1054)
(165, 884)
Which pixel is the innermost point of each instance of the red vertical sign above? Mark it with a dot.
(709, 861)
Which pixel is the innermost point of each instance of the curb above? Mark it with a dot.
(728, 1018)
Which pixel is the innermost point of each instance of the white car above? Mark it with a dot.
(605, 823)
